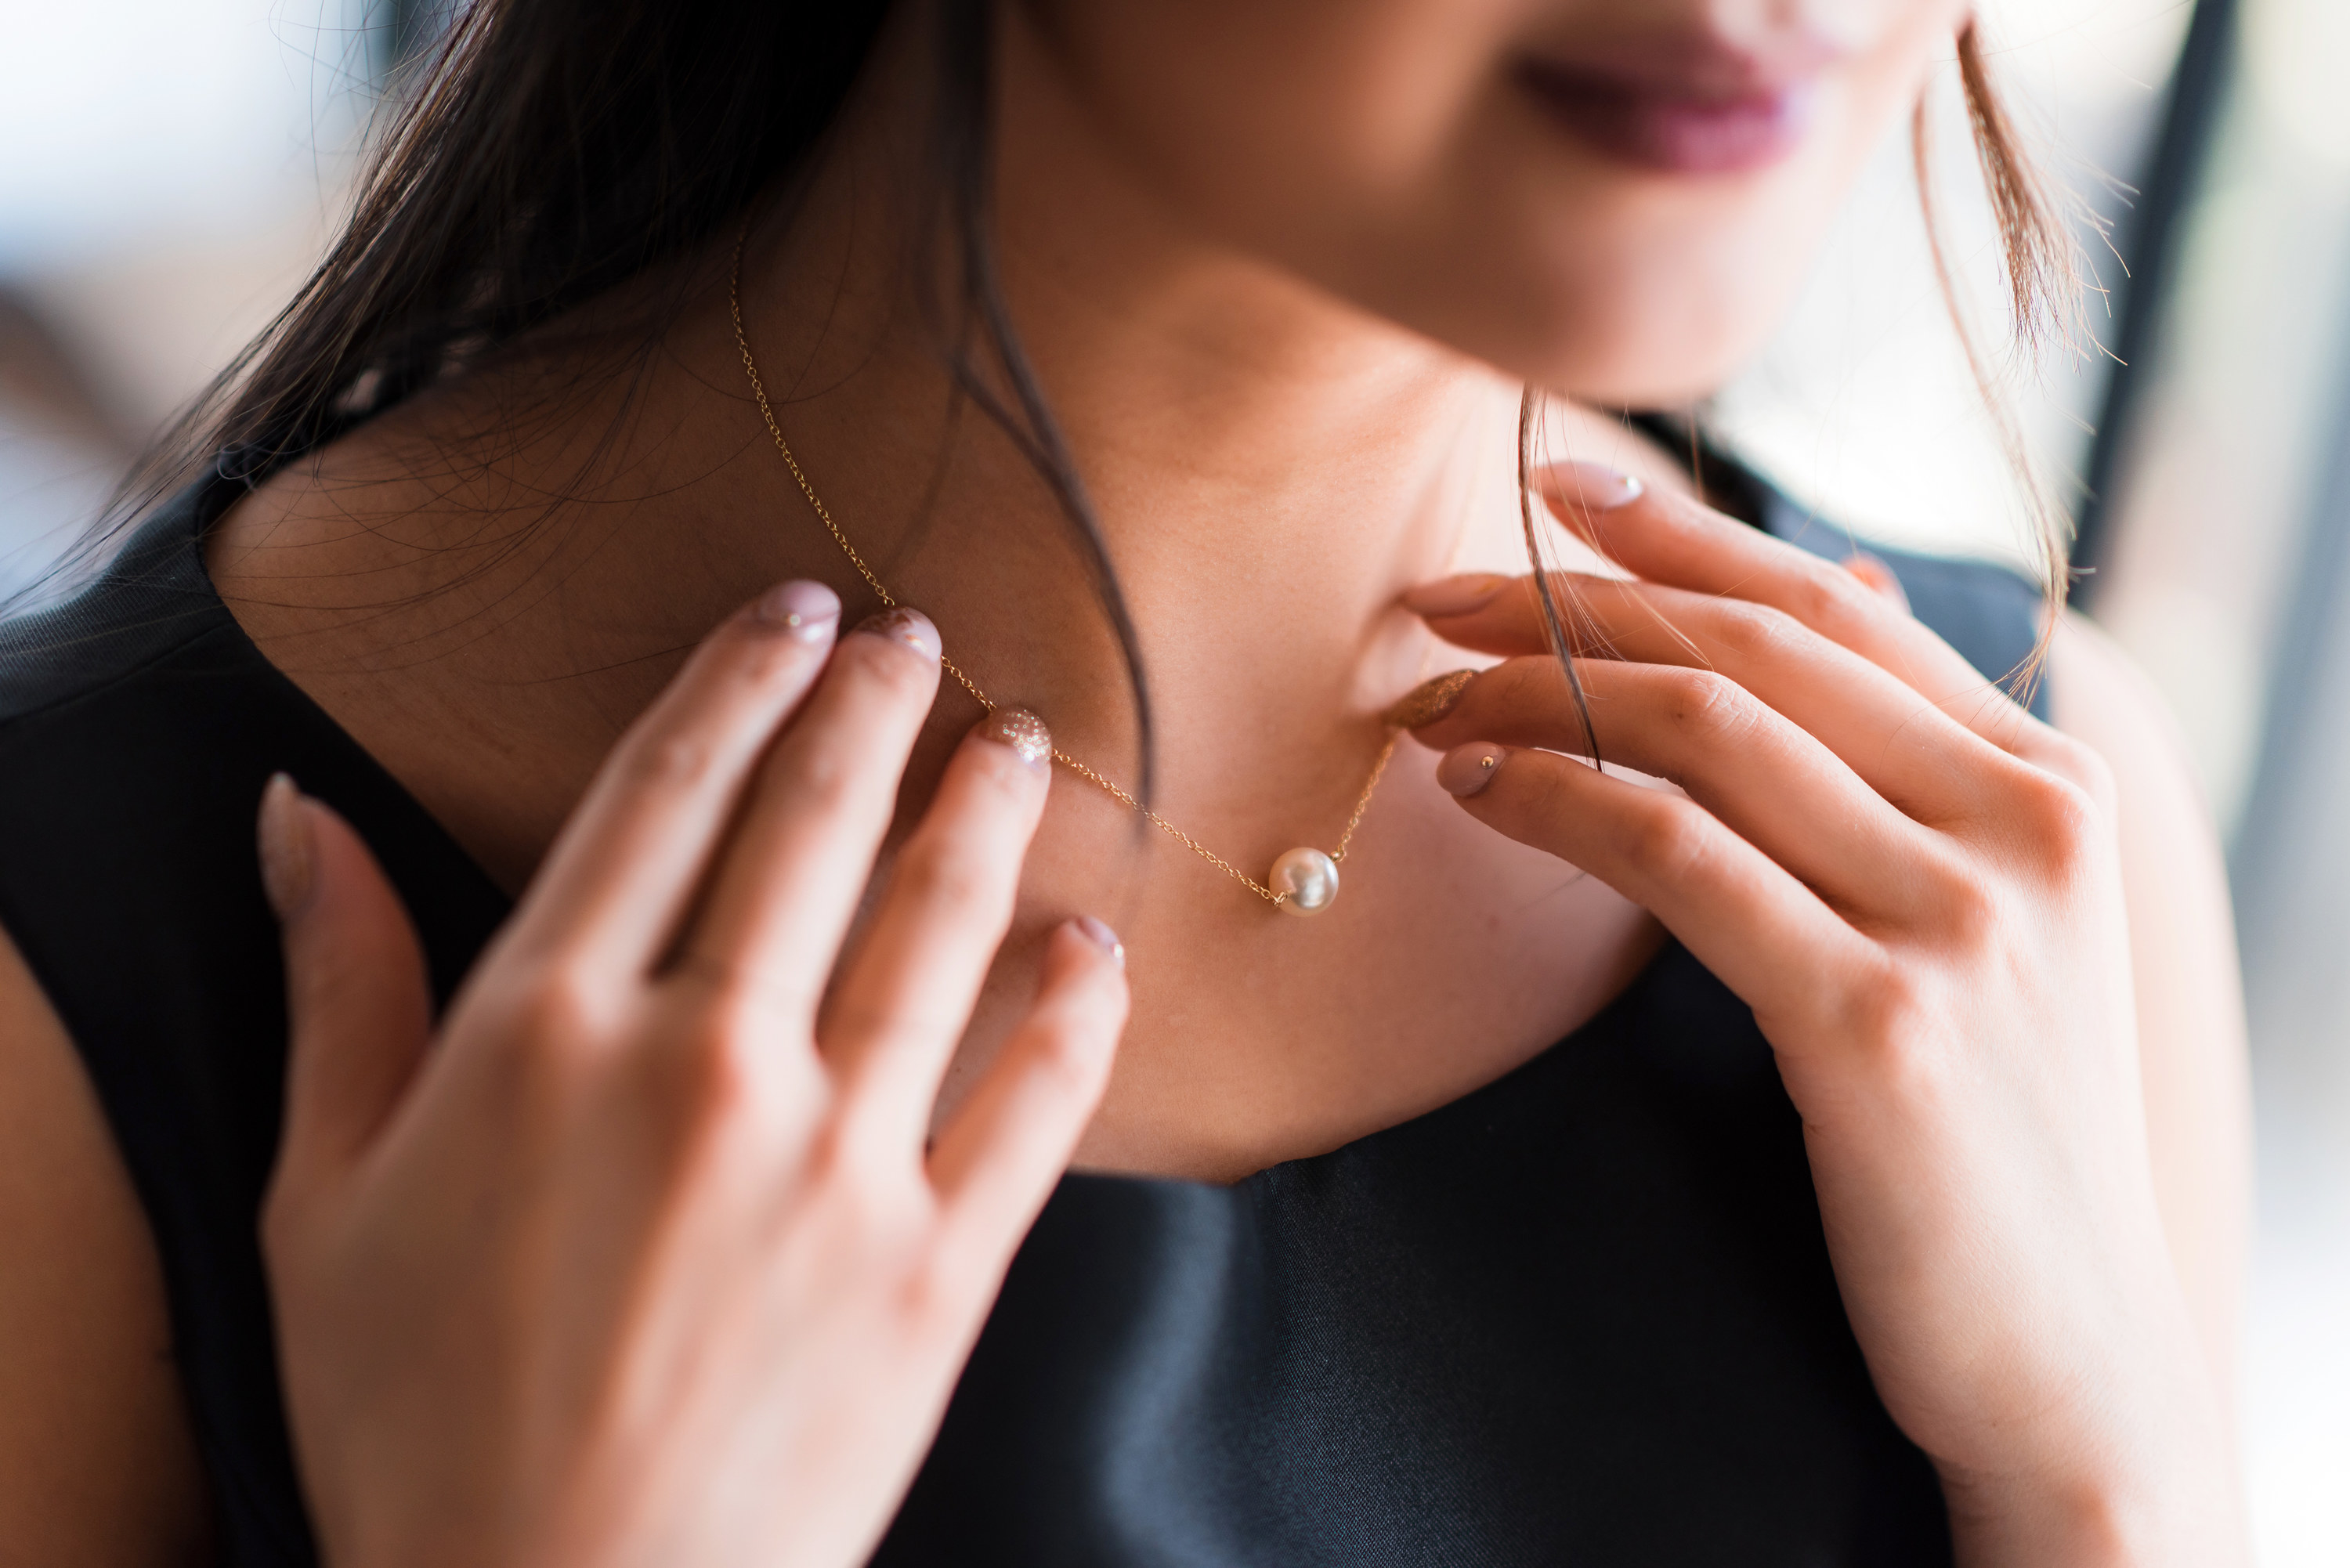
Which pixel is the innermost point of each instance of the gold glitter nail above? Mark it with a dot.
(910, 627)
(1429, 700)
(1023, 731)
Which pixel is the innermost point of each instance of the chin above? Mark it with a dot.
(1652, 346)
(1638, 376)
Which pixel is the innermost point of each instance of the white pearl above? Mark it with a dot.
(1309, 877)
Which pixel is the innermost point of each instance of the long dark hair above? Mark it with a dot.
(544, 152)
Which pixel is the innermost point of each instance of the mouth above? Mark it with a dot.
(1672, 126)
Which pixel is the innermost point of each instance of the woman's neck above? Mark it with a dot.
(484, 586)
(1269, 467)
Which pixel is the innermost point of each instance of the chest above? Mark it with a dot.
(1451, 956)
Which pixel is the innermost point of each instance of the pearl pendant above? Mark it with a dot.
(1309, 878)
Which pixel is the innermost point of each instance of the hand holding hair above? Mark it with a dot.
(1914, 884)
(643, 1257)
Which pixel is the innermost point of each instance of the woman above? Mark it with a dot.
(1836, 1159)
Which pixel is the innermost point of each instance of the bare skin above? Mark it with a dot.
(1274, 465)
(98, 1467)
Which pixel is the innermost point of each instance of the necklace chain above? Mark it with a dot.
(882, 592)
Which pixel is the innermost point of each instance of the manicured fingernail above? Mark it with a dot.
(289, 855)
(911, 627)
(1465, 770)
(1022, 731)
(1456, 596)
(809, 611)
(1102, 937)
(1429, 700)
(1593, 486)
(1873, 571)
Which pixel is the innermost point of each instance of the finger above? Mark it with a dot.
(1766, 779)
(793, 873)
(896, 1015)
(1681, 542)
(1746, 918)
(1675, 541)
(358, 1008)
(997, 1162)
(1910, 750)
(626, 866)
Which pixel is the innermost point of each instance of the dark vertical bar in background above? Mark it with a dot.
(2149, 243)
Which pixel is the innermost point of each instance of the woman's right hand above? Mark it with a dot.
(644, 1255)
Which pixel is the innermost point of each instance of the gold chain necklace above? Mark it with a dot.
(1303, 881)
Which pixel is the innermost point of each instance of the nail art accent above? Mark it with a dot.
(1023, 731)
(911, 627)
(805, 610)
(290, 853)
(1455, 595)
(1102, 937)
(1466, 770)
(1593, 486)
(1429, 700)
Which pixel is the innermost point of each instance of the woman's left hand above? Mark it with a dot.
(1916, 886)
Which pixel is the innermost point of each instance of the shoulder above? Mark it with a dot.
(98, 1463)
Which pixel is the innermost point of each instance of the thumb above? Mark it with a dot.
(358, 1008)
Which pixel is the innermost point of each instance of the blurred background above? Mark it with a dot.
(171, 168)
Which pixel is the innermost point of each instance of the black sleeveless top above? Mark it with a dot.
(1582, 1316)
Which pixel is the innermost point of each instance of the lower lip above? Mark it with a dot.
(1673, 133)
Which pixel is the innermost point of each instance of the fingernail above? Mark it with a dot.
(1429, 701)
(1593, 486)
(805, 610)
(1456, 596)
(289, 858)
(1102, 937)
(1465, 770)
(911, 627)
(1022, 731)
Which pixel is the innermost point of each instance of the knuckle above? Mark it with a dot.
(1667, 835)
(962, 1268)
(1708, 707)
(857, 1172)
(2077, 763)
(552, 1012)
(1823, 595)
(1069, 1067)
(821, 776)
(667, 761)
(1890, 1015)
(718, 1071)
(533, 1015)
(741, 1010)
(1756, 632)
(2061, 820)
(538, 1025)
(1970, 909)
(937, 1293)
(951, 871)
